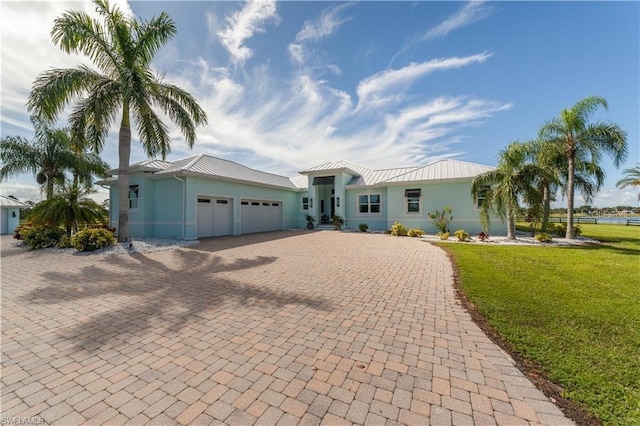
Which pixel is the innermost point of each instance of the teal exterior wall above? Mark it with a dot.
(9, 222)
(196, 186)
(434, 196)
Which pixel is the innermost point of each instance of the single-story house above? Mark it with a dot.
(10, 214)
(204, 196)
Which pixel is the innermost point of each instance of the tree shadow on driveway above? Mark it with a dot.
(138, 294)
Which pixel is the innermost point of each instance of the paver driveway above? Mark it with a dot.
(278, 328)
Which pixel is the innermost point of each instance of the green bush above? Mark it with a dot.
(40, 237)
(415, 232)
(442, 219)
(398, 229)
(443, 235)
(461, 235)
(65, 242)
(561, 230)
(363, 227)
(92, 239)
(21, 230)
(543, 237)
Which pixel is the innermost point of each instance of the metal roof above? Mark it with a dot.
(300, 181)
(212, 166)
(441, 170)
(10, 202)
(146, 165)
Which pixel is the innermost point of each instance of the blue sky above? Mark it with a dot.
(289, 85)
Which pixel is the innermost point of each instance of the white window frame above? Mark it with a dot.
(407, 202)
(369, 204)
(137, 199)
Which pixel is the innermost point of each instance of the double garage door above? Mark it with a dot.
(215, 216)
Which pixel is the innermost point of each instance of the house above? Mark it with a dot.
(10, 214)
(204, 196)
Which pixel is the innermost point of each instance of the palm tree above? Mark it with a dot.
(632, 178)
(579, 138)
(47, 156)
(70, 207)
(122, 49)
(502, 186)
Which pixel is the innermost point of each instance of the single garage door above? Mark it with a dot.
(260, 216)
(215, 217)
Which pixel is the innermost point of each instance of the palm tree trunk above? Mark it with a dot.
(49, 189)
(546, 208)
(570, 193)
(124, 153)
(511, 225)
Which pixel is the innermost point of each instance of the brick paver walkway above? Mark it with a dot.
(278, 328)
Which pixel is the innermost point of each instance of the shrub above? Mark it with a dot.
(337, 222)
(40, 237)
(65, 242)
(543, 237)
(21, 230)
(398, 229)
(443, 235)
(415, 232)
(363, 227)
(103, 226)
(482, 236)
(461, 235)
(92, 239)
(441, 220)
(561, 230)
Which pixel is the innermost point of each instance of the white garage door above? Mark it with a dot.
(260, 216)
(215, 217)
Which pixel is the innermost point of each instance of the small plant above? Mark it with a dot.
(443, 235)
(310, 220)
(337, 222)
(461, 235)
(363, 227)
(415, 232)
(40, 237)
(442, 219)
(543, 237)
(21, 230)
(482, 236)
(92, 239)
(398, 229)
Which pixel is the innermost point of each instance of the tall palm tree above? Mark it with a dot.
(47, 156)
(578, 137)
(122, 48)
(69, 207)
(632, 178)
(502, 186)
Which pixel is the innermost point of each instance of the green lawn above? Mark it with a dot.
(572, 311)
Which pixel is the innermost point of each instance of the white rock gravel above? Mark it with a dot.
(142, 245)
(521, 239)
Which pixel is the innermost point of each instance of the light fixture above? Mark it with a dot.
(13, 214)
(311, 202)
(338, 202)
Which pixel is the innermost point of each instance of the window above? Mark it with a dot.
(369, 203)
(481, 195)
(305, 203)
(413, 200)
(133, 197)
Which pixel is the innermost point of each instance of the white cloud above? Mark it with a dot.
(379, 84)
(243, 25)
(472, 12)
(325, 25)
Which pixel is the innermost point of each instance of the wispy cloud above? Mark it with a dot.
(314, 31)
(470, 13)
(378, 85)
(244, 24)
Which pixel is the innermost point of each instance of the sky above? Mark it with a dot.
(290, 85)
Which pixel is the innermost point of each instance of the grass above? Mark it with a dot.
(574, 312)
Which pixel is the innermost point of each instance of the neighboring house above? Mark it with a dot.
(10, 214)
(204, 196)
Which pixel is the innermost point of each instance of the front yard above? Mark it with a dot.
(573, 312)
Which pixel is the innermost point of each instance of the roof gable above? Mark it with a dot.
(441, 170)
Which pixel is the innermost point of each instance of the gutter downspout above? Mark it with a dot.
(184, 202)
